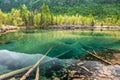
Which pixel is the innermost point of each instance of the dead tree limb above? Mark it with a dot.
(10, 74)
(56, 57)
(37, 74)
(105, 61)
(34, 67)
(84, 68)
(63, 53)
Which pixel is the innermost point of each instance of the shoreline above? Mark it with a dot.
(84, 27)
(10, 28)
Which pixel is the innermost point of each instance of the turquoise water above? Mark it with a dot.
(60, 42)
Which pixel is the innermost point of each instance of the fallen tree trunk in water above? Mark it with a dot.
(37, 74)
(19, 71)
(105, 61)
(34, 66)
(10, 74)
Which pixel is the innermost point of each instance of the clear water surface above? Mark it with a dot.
(60, 41)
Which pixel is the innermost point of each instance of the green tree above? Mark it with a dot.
(16, 19)
(60, 20)
(31, 18)
(1, 18)
(25, 14)
(37, 19)
(45, 16)
(9, 19)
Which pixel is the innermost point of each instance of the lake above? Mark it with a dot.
(72, 41)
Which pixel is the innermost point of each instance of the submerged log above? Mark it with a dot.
(96, 56)
(63, 53)
(10, 74)
(19, 71)
(35, 66)
(37, 74)
(16, 72)
(57, 56)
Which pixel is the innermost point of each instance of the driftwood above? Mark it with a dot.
(37, 74)
(10, 74)
(84, 68)
(96, 56)
(34, 67)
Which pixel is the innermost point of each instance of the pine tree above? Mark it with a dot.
(16, 19)
(45, 16)
(9, 19)
(1, 17)
(37, 19)
(25, 14)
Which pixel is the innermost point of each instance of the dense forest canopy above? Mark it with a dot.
(52, 12)
(84, 7)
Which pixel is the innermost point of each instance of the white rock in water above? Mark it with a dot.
(10, 59)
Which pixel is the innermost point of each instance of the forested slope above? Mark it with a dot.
(83, 7)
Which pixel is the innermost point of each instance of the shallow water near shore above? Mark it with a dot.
(60, 42)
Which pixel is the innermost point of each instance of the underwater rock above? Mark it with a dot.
(15, 60)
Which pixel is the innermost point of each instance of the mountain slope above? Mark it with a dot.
(84, 7)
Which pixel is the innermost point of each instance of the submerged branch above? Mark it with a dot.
(37, 64)
(37, 77)
(96, 56)
(10, 74)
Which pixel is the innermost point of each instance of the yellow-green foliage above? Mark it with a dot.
(1, 18)
(37, 19)
(45, 16)
(16, 19)
(73, 20)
